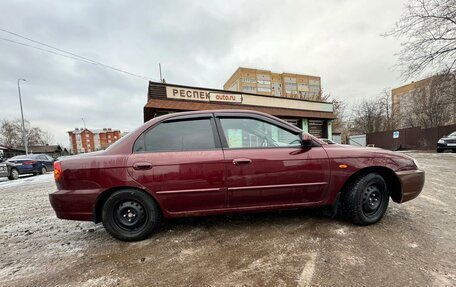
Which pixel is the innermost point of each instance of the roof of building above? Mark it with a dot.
(183, 105)
(44, 148)
(152, 90)
(94, 131)
(3, 147)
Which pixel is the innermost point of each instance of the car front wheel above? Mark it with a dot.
(440, 150)
(365, 200)
(130, 215)
(14, 174)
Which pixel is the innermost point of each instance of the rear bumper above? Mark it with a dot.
(74, 204)
(412, 182)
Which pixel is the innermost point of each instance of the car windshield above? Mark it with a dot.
(453, 134)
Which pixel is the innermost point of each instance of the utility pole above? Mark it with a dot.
(160, 68)
(84, 123)
(24, 137)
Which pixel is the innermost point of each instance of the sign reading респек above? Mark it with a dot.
(201, 95)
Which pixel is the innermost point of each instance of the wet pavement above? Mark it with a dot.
(414, 245)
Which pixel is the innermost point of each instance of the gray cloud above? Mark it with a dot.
(198, 43)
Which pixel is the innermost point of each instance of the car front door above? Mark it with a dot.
(181, 162)
(266, 164)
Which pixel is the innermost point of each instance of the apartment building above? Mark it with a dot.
(84, 140)
(264, 82)
(415, 104)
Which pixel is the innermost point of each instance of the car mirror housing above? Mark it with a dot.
(306, 139)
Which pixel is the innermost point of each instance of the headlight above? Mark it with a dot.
(441, 141)
(416, 163)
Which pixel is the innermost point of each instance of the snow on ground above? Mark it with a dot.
(26, 180)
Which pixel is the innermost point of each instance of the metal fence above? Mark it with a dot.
(409, 138)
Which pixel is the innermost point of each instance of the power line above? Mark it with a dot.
(66, 54)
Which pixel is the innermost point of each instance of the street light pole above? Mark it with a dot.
(24, 137)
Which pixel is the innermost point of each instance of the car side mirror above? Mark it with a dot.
(306, 139)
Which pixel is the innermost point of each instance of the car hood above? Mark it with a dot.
(448, 138)
(339, 150)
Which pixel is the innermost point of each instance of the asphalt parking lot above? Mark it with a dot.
(414, 245)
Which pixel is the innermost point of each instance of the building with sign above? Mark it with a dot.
(314, 117)
(264, 82)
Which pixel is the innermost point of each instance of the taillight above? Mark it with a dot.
(57, 170)
(29, 162)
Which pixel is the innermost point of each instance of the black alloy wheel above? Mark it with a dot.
(130, 215)
(372, 198)
(365, 200)
(14, 174)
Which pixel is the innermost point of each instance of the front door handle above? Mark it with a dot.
(142, 165)
(241, 161)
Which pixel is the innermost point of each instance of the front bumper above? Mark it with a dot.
(412, 182)
(446, 145)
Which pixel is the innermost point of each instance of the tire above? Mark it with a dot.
(365, 200)
(440, 150)
(130, 215)
(14, 174)
(43, 170)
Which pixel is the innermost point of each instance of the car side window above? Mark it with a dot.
(253, 133)
(182, 135)
(42, 157)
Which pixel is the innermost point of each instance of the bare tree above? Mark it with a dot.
(433, 102)
(339, 108)
(11, 134)
(368, 116)
(428, 32)
(391, 118)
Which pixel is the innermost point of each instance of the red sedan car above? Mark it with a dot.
(217, 162)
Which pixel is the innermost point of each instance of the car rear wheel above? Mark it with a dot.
(130, 215)
(14, 174)
(43, 170)
(365, 200)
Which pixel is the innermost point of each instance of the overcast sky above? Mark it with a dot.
(198, 43)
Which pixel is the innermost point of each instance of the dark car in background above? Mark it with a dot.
(32, 163)
(9, 170)
(447, 143)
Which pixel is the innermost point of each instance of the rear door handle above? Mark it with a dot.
(142, 165)
(241, 161)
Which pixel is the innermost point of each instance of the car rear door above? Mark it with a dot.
(266, 164)
(180, 160)
(45, 161)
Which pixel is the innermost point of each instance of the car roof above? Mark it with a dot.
(222, 111)
(31, 156)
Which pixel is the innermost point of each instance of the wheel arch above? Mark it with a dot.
(98, 206)
(390, 177)
(11, 172)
